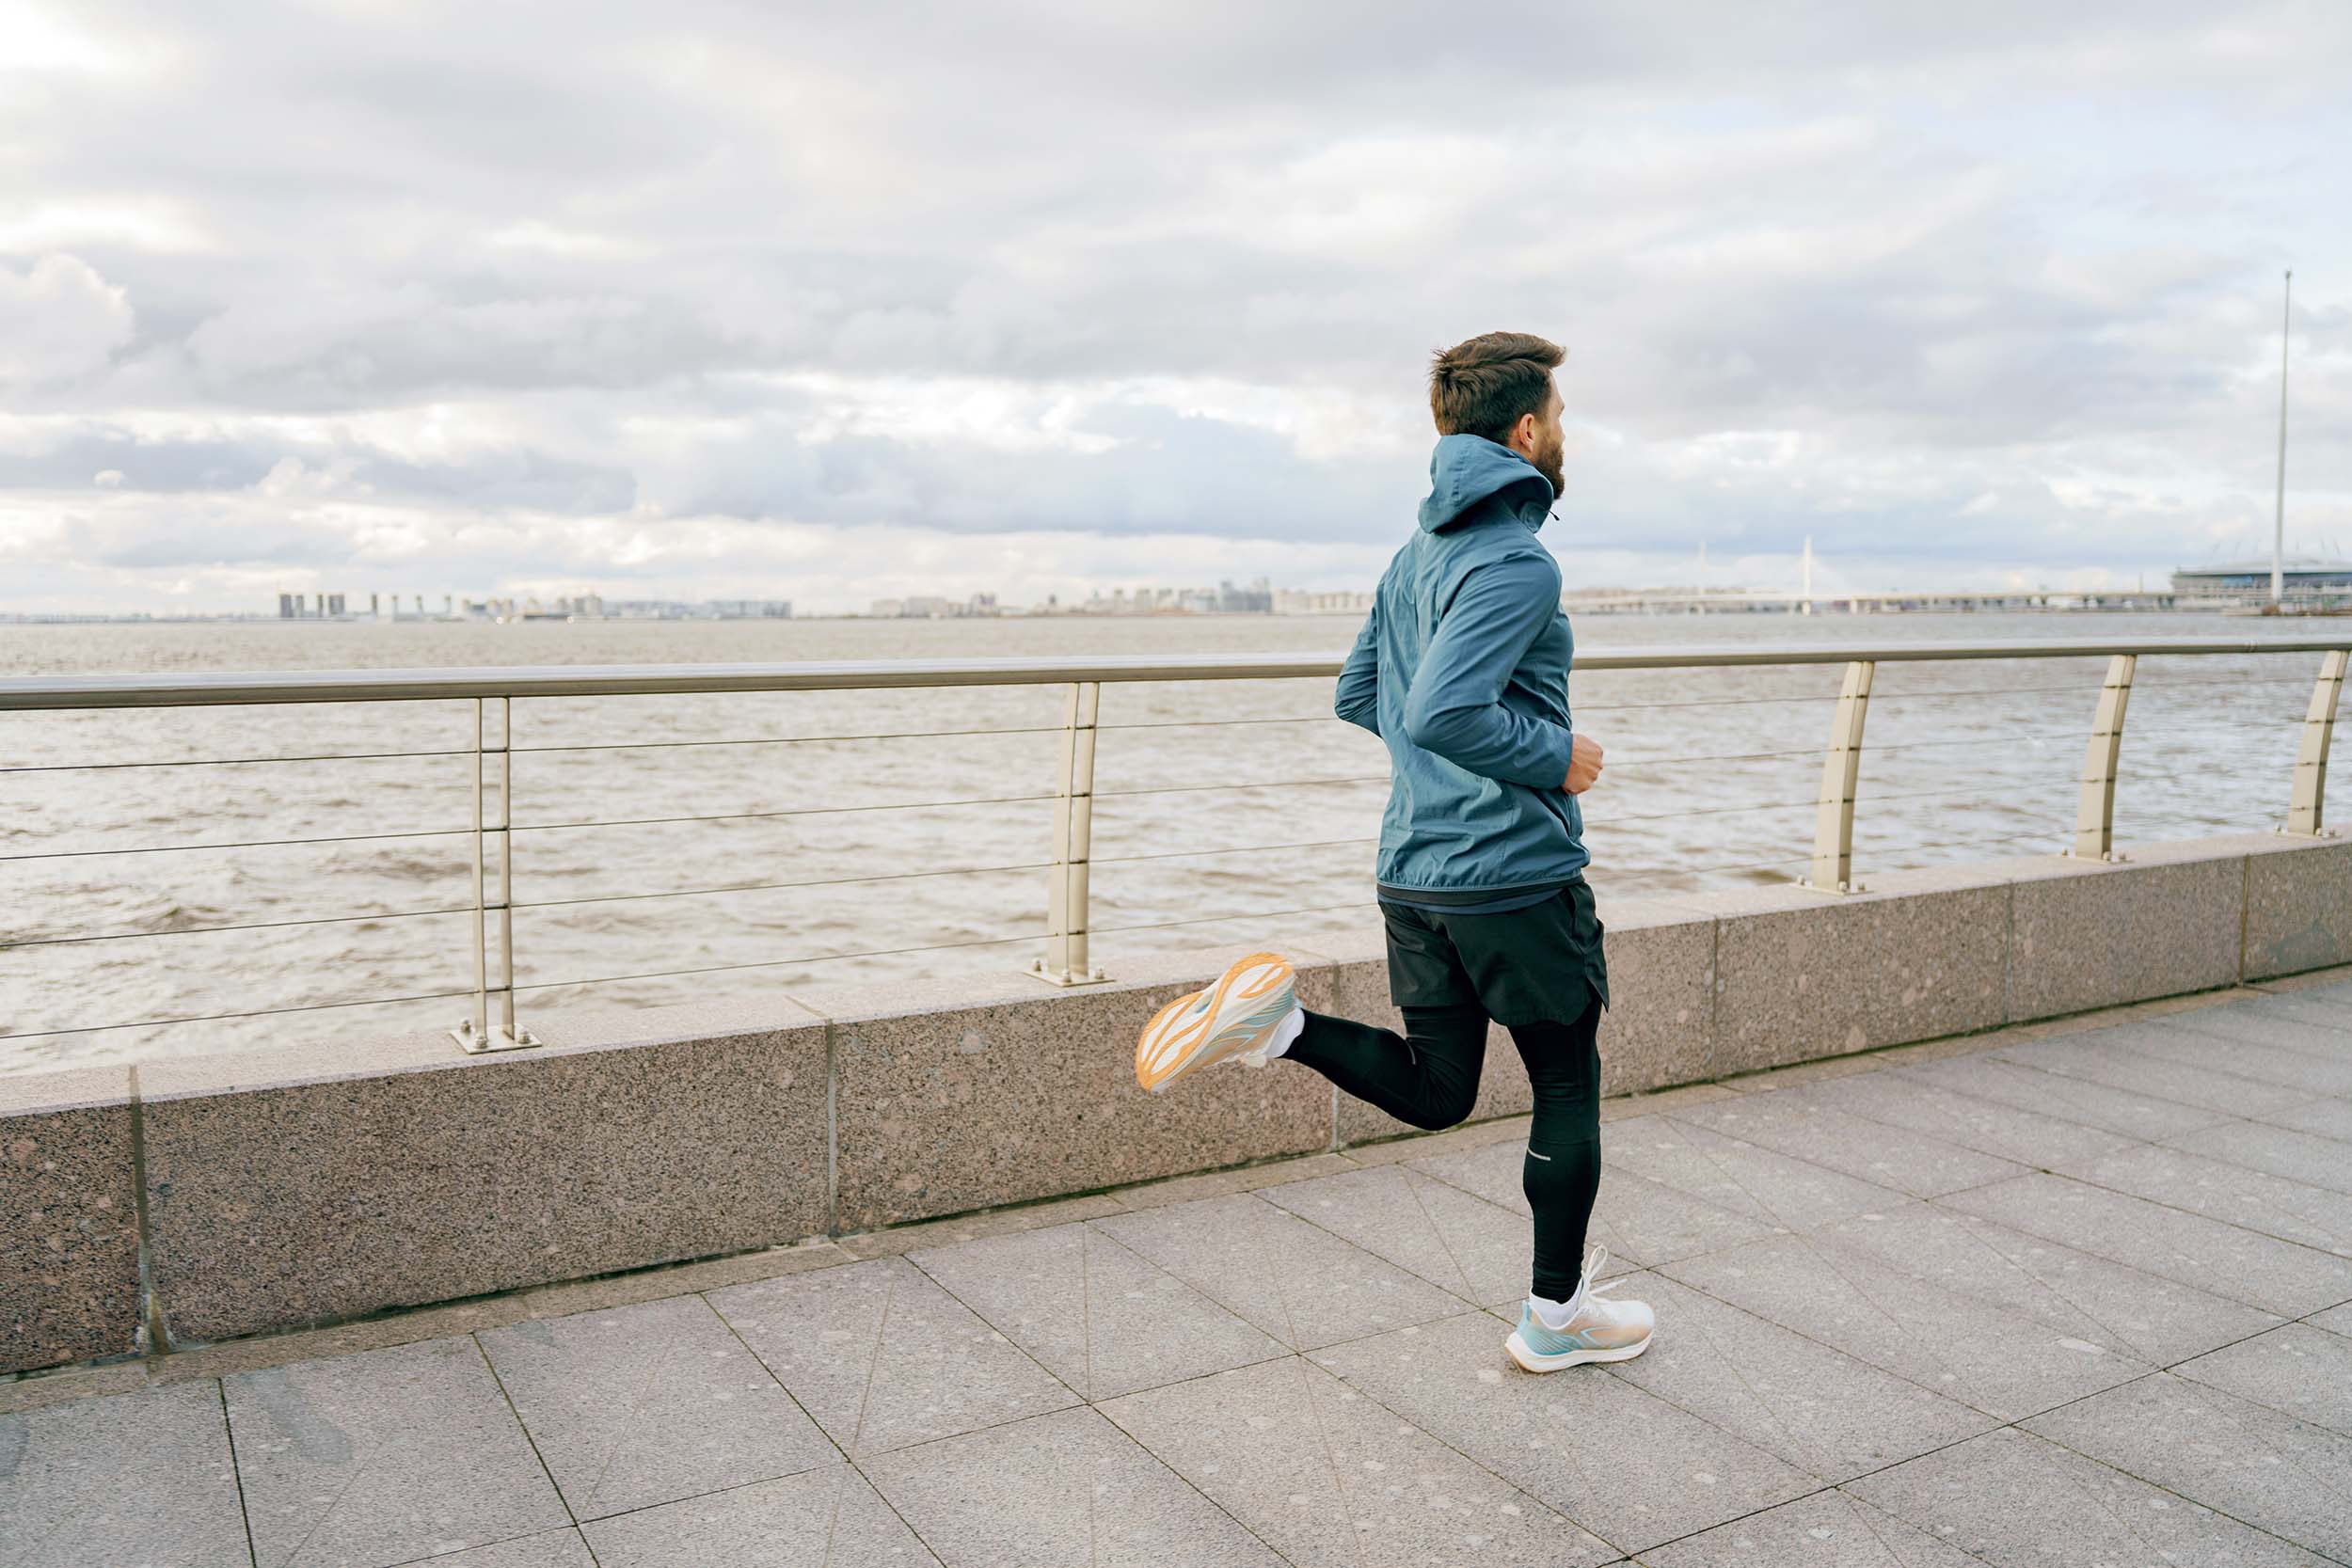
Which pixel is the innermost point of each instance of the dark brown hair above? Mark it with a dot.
(1482, 386)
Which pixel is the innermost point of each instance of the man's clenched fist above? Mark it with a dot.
(1584, 764)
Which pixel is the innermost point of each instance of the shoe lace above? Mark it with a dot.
(1595, 1261)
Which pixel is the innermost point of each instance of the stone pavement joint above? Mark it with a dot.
(2077, 1294)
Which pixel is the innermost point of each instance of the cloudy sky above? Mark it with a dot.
(838, 301)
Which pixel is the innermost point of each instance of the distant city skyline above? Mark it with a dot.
(839, 306)
(2311, 581)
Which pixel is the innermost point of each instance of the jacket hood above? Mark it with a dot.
(1468, 469)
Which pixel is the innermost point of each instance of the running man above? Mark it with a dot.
(1462, 668)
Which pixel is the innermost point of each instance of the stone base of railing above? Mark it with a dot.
(199, 1199)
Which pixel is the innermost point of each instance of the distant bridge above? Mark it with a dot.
(1755, 601)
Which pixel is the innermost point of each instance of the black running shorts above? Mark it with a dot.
(1542, 963)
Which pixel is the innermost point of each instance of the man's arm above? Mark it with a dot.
(1455, 708)
(1358, 699)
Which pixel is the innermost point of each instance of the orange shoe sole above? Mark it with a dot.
(1231, 1016)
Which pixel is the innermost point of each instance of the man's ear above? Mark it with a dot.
(1523, 434)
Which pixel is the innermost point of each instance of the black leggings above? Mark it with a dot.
(1428, 1076)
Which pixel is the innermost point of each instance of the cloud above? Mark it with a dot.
(59, 320)
(1957, 290)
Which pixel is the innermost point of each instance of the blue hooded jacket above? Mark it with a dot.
(1462, 668)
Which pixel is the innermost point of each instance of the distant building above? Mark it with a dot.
(307, 607)
(2305, 576)
(1346, 601)
(1257, 598)
(933, 607)
(681, 610)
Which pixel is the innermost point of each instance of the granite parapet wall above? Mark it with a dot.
(211, 1196)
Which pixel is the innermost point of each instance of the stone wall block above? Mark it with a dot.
(69, 1220)
(277, 1203)
(1803, 974)
(1031, 1093)
(2298, 905)
(2086, 935)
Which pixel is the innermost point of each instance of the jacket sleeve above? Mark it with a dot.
(1358, 699)
(1456, 707)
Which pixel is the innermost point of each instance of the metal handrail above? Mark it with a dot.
(1067, 961)
(52, 692)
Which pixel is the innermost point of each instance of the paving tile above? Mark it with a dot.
(1624, 1464)
(2248, 1461)
(2336, 993)
(2307, 1157)
(1216, 1183)
(1919, 1165)
(1656, 1100)
(1478, 1250)
(677, 1279)
(140, 1477)
(554, 1548)
(2276, 1052)
(2144, 1058)
(1331, 1480)
(1809, 1072)
(1771, 1188)
(1819, 1409)
(383, 1457)
(1094, 1312)
(2288, 1050)
(1955, 1045)
(2336, 1319)
(2271, 1204)
(451, 1322)
(2303, 1007)
(1428, 1146)
(2323, 1116)
(2278, 1277)
(882, 1357)
(901, 1239)
(2002, 1361)
(2294, 1368)
(2028, 1137)
(2026, 1087)
(824, 1518)
(1495, 1173)
(2156, 1319)
(638, 1406)
(2016, 1502)
(75, 1383)
(1828, 1529)
(1293, 1280)
(1640, 1220)
(1063, 1489)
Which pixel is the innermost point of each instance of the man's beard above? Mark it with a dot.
(1550, 460)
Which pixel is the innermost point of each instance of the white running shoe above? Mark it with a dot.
(1600, 1331)
(1234, 1018)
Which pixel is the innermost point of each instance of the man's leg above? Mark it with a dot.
(1561, 1170)
(1568, 1321)
(1427, 1076)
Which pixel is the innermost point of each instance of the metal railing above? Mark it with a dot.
(1067, 958)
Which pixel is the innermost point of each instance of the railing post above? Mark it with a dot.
(1841, 774)
(492, 1027)
(2094, 811)
(2306, 812)
(1066, 900)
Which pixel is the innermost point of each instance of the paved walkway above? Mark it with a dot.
(2079, 1296)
